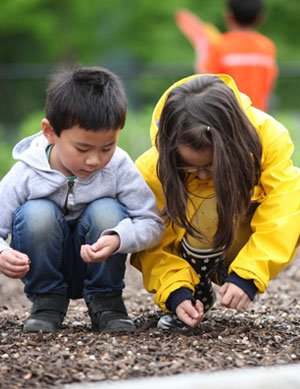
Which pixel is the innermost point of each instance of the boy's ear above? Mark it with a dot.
(48, 131)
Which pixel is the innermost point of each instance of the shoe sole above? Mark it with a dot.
(39, 326)
(171, 324)
(126, 327)
(171, 328)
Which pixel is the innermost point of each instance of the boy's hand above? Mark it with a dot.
(190, 314)
(233, 296)
(101, 250)
(14, 264)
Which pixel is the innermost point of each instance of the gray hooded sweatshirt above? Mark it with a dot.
(31, 177)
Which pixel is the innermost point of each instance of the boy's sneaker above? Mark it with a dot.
(171, 322)
(48, 312)
(108, 313)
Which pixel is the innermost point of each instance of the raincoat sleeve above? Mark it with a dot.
(162, 269)
(276, 221)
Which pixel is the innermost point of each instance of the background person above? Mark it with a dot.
(242, 52)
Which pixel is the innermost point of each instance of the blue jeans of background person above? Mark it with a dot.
(41, 231)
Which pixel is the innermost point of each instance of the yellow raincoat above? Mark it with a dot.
(275, 223)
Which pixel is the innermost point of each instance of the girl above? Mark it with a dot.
(230, 195)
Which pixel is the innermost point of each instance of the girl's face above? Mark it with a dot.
(197, 162)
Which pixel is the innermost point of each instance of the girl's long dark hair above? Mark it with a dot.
(189, 109)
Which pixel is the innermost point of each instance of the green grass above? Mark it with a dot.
(291, 120)
(134, 137)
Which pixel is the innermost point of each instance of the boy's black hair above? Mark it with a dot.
(245, 12)
(90, 97)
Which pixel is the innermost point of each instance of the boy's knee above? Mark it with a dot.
(105, 213)
(36, 215)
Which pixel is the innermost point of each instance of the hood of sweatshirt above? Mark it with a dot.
(32, 152)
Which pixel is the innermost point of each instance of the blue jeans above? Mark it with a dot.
(41, 231)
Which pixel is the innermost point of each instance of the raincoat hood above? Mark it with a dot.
(242, 98)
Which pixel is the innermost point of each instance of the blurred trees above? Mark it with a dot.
(46, 31)
(136, 38)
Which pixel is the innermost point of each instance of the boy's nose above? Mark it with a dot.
(93, 160)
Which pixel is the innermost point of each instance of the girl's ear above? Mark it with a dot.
(48, 131)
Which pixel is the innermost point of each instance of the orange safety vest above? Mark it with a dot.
(249, 58)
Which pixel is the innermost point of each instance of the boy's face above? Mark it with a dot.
(80, 152)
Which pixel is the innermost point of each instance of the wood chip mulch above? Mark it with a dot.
(268, 334)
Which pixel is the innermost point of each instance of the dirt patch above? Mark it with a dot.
(267, 334)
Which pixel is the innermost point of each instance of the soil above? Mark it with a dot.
(267, 334)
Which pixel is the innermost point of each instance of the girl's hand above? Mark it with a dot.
(101, 250)
(190, 314)
(233, 296)
(13, 263)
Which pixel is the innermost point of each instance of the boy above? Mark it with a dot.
(246, 55)
(75, 205)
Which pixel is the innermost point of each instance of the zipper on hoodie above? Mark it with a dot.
(69, 193)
